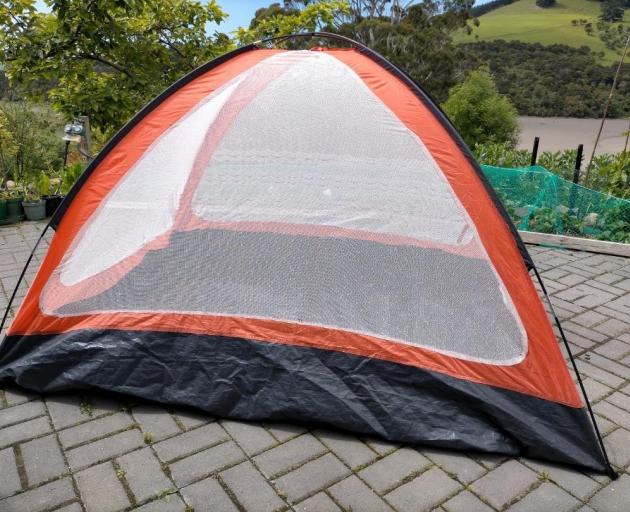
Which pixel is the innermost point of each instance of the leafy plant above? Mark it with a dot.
(69, 176)
(480, 113)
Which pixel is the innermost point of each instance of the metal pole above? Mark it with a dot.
(535, 152)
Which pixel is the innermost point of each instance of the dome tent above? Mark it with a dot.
(302, 235)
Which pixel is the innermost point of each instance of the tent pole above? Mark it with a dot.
(609, 469)
(20, 279)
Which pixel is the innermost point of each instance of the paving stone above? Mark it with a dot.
(100, 489)
(289, 455)
(104, 449)
(595, 390)
(505, 483)
(311, 477)
(318, 503)
(20, 413)
(144, 474)
(353, 494)
(610, 366)
(576, 483)
(612, 498)
(423, 492)
(65, 411)
(155, 421)
(42, 498)
(191, 441)
(23, 431)
(73, 507)
(191, 419)
(9, 477)
(42, 459)
(95, 429)
(613, 413)
(614, 349)
(589, 318)
(172, 503)
(285, 431)
(205, 463)
(251, 489)
(381, 446)
(391, 470)
(598, 374)
(349, 449)
(612, 327)
(251, 437)
(546, 497)
(208, 496)
(618, 447)
(466, 501)
(458, 464)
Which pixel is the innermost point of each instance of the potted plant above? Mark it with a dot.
(48, 187)
(34, 205)
(14, 203)
(4, 212)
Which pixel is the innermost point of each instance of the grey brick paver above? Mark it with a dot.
(349, 449)
(208, 496)
(252, 438)
(618, 446)
(464, 468)
(191, 441)
(318, 503)
(143, 474)
(172, 503)
(20, 413)
(205, 463)
(104, 449)
(42, 498)
(43, 459)
(505, 483)
(94, 429)
(352, 494)
(615, 497)
(288, 455)
(101, 490)
(391, 470)
(155, 421)
(251, 489)
(466, 501)
(9, 477)
(546, 497)
(575, 482)
(423, 492)
(23, 431)
(311, 477)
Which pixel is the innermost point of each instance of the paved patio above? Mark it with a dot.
(96, 453)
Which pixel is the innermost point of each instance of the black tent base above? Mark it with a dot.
(254, 380)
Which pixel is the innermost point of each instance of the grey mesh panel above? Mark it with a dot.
(424, 297)
(316, 148)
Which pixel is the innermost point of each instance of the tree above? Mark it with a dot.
(612, 10)
(106, 58)
(480, 113)
(545, 3)
(275, 21)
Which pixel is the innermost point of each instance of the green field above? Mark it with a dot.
(525, 21)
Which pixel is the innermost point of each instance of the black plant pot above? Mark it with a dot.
(52, 203)
(15, 210)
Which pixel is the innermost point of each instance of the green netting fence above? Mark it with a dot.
(539, 200)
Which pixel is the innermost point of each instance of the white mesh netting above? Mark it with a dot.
(317, 206)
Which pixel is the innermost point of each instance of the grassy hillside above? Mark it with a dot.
(525, 21)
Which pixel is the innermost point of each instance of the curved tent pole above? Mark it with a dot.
(419, 91)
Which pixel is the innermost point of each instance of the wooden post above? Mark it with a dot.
(85, 146)
(576, 175)
(535, 152)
